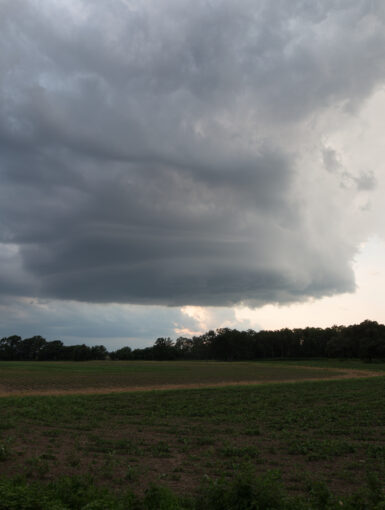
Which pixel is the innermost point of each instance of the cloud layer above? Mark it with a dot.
(176, 153)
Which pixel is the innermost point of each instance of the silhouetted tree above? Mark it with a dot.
(365, 341)
(10, 348)
(125, 353)
(99, 352)
(30, 348)
(53, 351)
(164, 349)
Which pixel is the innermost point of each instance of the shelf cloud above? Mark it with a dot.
(176, 153)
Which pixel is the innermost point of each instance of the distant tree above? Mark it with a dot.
(337, 345)
(30, 348)
(201, 345)
(164, 349)
(365, 341)
(184, 347)
(98, 352)
(53, 351)
(10, 348)
(372, 343)
(125, 353)
(231, 344)
(144, 354)
(77, 353)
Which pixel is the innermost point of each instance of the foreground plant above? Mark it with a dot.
(246, 492)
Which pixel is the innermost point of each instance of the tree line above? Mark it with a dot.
(364, 341)
(37, 348)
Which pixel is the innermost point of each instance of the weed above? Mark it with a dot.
(320, 495)
(73, 461)
(376, 451)
(37, 467)
(6, 424)
(234, 451)
(132, 474)
(204, 441)
(246, 492)
(161, 449)
(253, 431)
(5, 452)
(319, 449)
(48, 456)
(51, 433)
(160, 498)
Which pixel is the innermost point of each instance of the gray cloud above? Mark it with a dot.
(363, 181)
(366, 181)
(73, 322)
(150, 151)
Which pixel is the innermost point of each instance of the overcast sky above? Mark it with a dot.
(168, 166)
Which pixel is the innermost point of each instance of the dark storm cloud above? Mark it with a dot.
(149, 150)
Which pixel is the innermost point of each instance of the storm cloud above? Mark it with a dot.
(173, 153)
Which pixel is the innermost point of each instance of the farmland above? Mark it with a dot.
(307, 432)
(54, 377)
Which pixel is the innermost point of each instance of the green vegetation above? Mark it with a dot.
(298, 443)
(245, 492)
(351, 364)
(19, 376)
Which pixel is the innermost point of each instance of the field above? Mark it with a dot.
(304, 432)
(100, 376)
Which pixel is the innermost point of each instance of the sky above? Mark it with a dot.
(169, 167)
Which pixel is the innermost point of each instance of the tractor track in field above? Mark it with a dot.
(339, 373)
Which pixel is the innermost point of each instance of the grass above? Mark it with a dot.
(353, 364)
(68, 376)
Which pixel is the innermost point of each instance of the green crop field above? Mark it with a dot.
(346, 364)
(26, 377)
(314, 436)
(72, 376)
